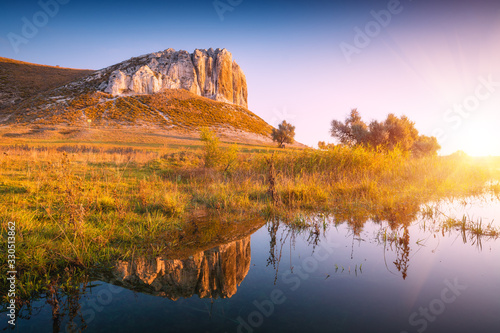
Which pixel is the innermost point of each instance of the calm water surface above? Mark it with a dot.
(335, 277)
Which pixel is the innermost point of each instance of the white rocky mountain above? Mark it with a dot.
(209, 73)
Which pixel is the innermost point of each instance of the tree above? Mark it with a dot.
(425, 146)
(285, 133)
(402, 132)
(350, 132)
(378, 134)
(393, 132)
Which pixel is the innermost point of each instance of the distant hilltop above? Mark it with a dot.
(171, 90)
(208, 73)
(20, 80)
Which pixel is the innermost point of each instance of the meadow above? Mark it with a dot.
(83, 205)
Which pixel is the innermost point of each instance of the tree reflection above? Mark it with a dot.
(394, 220)
(272, 228)
(403, 253)
(63, 296)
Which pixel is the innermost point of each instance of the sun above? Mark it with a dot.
(481, 142)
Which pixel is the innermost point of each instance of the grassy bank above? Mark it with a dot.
(85, 206)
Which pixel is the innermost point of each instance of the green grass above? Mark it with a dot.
(86, 207)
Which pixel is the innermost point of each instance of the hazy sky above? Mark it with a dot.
(308, 62)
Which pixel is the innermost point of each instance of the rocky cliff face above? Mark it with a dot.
(213, 273)
(209, 73)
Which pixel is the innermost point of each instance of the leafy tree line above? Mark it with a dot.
(393, 132)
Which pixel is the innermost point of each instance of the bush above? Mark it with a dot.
(214, 156)
(212, 153)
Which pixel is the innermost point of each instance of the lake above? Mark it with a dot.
(438, 273)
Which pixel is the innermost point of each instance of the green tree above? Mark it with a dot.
(285, 133)
(351, 131)
(393, 132)
(229, 157)
(401, 132)
(378, 134)
(425, 146)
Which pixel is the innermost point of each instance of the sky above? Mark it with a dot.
(307, 62)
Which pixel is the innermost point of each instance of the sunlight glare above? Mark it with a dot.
(481, 142)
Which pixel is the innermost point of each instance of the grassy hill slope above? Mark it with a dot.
(169, 109)
(20, 80)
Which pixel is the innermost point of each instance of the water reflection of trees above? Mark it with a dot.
(400, 244)
(63, 295)
(396, 222)
(289, 232)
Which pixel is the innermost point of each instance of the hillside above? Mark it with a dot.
(172, 90)
(169, 109)
(20, 80)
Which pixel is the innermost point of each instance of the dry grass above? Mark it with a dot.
(176, 108)
(19, 80)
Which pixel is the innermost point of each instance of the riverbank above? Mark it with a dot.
(85, 206)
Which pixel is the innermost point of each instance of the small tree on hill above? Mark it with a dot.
(285, 133)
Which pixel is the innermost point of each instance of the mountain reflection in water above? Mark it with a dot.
(214, 273)
(380, 270)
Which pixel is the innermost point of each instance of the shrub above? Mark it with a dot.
(214, 156)
(212, 153)
(393, 133)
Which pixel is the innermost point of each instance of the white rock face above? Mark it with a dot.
(118, 83)
(212, 273)
(207, 73)
(144, 81)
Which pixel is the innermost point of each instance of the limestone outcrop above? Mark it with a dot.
(209, 73)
